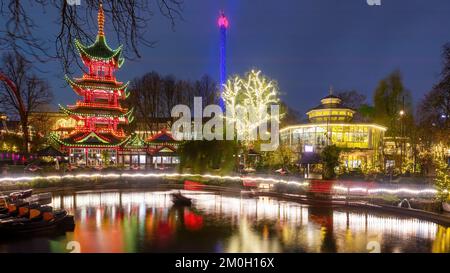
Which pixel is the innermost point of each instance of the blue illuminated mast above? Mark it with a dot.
(223, 26)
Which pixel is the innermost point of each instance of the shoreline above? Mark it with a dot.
(440, 219)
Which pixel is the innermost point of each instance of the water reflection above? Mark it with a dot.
(147, 222)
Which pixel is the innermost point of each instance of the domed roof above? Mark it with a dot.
(330, 110)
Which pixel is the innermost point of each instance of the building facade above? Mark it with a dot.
(331, 123)
(93, 132)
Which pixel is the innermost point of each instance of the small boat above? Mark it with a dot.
(12, 209)
(181, 200)
(25, 213)
(41, 198)
(47, 221)
(12, 205)
(20, 195)
(19, 210)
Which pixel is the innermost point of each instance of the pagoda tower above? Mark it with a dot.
(98, 135)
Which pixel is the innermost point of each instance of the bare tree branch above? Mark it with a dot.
(32, 93)
(129, 18)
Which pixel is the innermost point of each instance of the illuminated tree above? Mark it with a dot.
(254, 95)
(442, 181)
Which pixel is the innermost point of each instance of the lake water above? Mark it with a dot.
(146, 221)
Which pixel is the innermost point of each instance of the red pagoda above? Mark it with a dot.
(98, 136)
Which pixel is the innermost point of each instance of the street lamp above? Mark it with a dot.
(402, 140)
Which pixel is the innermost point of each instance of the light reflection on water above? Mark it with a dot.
(147, 222)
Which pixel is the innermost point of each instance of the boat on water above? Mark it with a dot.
(10, 204)
(50, 221)
(181, 200)
(25, 213)
(20, 195)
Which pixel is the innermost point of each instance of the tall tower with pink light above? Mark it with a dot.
(223, 26)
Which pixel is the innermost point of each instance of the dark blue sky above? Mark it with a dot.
(306, 45)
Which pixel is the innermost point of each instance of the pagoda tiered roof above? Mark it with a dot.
(119, 133)
(135, 142)
(87, 107)
(100, 112)
(81, 85)
(161, 137)
(100, 49)
(90, 139)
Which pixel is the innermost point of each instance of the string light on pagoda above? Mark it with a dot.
(101, 20)
(94, 87)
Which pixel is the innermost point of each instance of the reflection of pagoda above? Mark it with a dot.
(98, 114)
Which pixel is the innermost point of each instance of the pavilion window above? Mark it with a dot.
(101, 71)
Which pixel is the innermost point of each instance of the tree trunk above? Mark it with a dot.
(26, 135)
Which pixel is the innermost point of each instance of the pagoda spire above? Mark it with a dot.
(101, 20)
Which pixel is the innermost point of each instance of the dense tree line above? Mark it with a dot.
(434, 109)
(153, 96)
(425, 129)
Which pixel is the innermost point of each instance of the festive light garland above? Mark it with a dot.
(109, 80)
(74, 84)
(100, 39)
(209, 176)
(97, 106)
(83, 138)
(334, 124)
(117, 133)
(251, 93)
(343, 189)
(73, 113)
(105, 64)
(136, 141)
(101, 20)
(56, 138)
(151, 175)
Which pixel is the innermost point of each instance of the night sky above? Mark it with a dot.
(306, 45)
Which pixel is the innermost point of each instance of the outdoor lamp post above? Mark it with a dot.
(402, 140)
